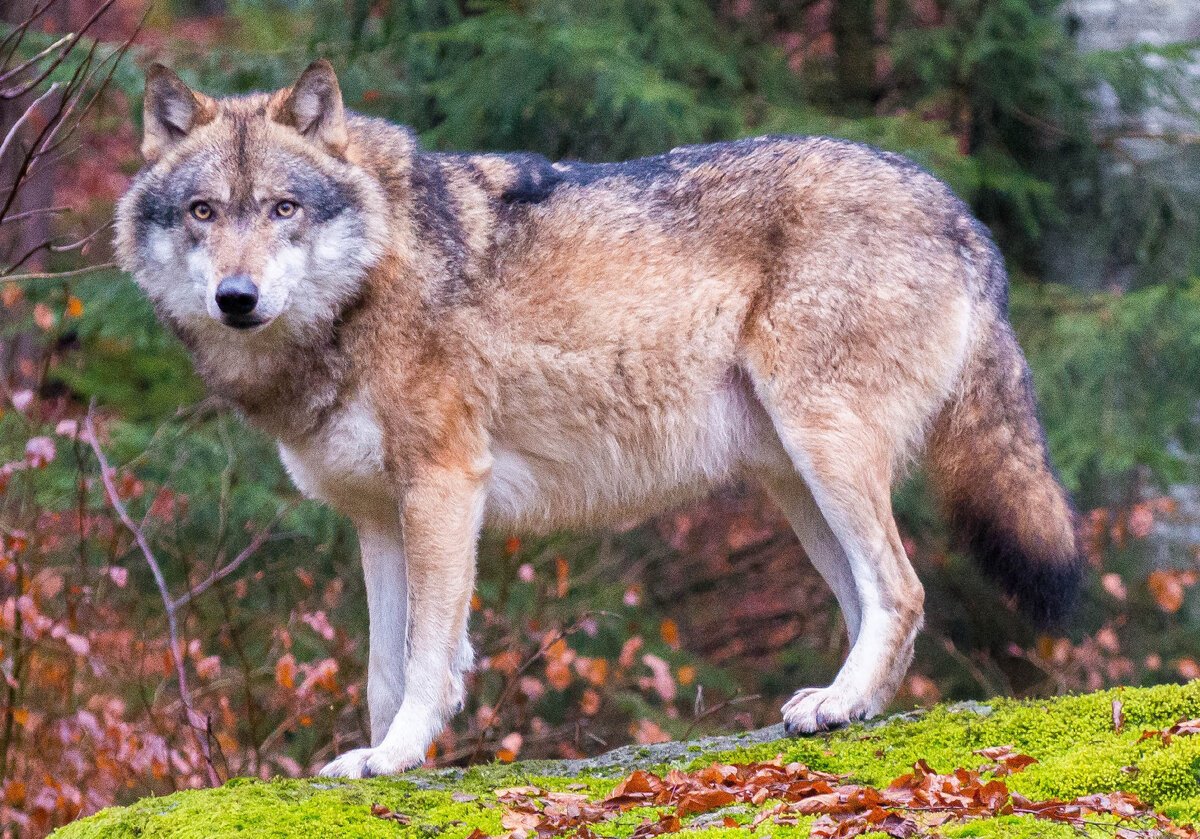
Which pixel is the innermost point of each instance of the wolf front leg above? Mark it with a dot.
(385, 574)
(441, 515)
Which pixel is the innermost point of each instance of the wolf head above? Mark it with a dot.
(249, 223)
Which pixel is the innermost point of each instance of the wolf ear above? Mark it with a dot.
(314, 108)
(171, 111)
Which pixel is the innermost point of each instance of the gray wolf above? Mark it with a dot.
(444, 341)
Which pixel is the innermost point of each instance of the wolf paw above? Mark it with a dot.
(822, 709)
(368, 763)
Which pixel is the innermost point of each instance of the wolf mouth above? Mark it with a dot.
(243, 322)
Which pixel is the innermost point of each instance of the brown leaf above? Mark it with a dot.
(667, 823)
(1018, 763)
(818, 804)
(517, 792)
(702, 802)
(43, 316)
(898, 826)
(285, 672)
(1167, 588)
(381, 811)
(519, 819)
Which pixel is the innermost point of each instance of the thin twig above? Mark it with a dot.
(16, 127)
(115, 57)
(49, 246)
(7, 46)
(41, 211)
(194, 720)
(720, 706)
(54, 275)
(18, 92)
(543, 648)
(233, 565)
(29, 62)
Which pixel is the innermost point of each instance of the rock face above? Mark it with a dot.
(1153, 153)
(1075, 740)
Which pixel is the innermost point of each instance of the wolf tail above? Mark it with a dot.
(987, 459)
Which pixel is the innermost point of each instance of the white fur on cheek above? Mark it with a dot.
(175, 284)
(339, 256)
(160, 247)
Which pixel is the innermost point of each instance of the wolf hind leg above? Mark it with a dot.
(464, 663)
(794, 498)
(846, 466)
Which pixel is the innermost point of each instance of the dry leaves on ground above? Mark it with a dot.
(909, 805)
(1183, 728)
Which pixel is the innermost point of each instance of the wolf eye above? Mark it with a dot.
(285, 209)
(202, 211)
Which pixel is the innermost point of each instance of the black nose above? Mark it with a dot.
(237, 295)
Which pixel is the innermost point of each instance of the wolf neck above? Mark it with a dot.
(284, 387)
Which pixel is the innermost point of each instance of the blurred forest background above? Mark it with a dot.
(133, 510)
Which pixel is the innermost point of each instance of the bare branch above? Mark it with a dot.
(233, 565)
(198, 723)
(53, 275)
(12, 41)
(18, 92)
(29, 62)
(115, 57)
(28, 159)
(16, 127)
(50, 247)
(41, 211)
(544, 647)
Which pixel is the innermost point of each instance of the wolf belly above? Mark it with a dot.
(549, 472)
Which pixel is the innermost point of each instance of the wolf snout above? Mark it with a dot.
(237, 295)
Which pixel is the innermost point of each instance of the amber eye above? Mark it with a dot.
(202, 211)
(285, 209)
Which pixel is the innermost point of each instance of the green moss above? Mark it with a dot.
(1010, 827)
(1072, 738)
(283, 808)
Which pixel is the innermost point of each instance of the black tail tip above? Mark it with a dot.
(1044, 579)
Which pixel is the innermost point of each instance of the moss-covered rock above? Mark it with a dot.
(1073, 739)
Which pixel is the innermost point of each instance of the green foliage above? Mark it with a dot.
(593, 81)
(1117, 376)
(1010, 81)
(587, 81)
(128, 362)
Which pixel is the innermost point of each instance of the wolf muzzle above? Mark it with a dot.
(237, 295)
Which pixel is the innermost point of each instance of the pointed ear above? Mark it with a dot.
(171, 112)
(314, 108)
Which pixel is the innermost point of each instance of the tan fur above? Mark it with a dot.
(544, 346)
